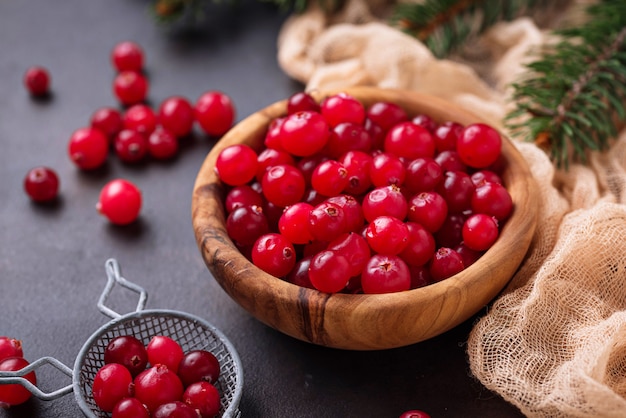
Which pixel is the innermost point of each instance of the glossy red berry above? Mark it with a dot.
(88, 148)
(176, 115)
(41, 184)
(130, 408)
(166, 351)
(162, 145)
(199, 365)
(107, 120)
(421, 246)
(342, 107)
(428, 209)
(445, 263)
(157, 385)
(386, 114)
(304, 133)
(130, 87)
(247, 223)
(270, 157)
(120, 201)
(414, 413)
(215, 113)
(410, 141)
(10, 347)
(385, 201)
(127, 351)
(274, 254)
(236, 164)
(329, 178)
(111, 384)
(492, 199)
(386, 169)
(446, 136)
(130, 146)
(327, 221)
(37, 81)
(175, 409)
(329, 272)
(385, 274)
(243, 195)
(127, 56)
(423, 174)
(141, 118)
(347, 137)
(480, 231)
(354, 248)
(15, 394)
(387, 235)
(283, 185)
(294, 223)
(204, 398)
(301, 101)
(479, 145)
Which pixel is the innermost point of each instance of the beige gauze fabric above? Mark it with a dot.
(554, 342)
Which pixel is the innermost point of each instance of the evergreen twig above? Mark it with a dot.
(444, 25)
(574, 95)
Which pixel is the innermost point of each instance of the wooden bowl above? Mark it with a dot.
(361, 322)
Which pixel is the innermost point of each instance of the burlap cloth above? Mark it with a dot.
(554, 343)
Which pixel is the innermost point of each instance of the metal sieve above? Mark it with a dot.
(191, 332)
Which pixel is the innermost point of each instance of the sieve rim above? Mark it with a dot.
(231, 411)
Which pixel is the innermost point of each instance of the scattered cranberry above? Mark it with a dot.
(130, 87)
(88, 148)
(130, 146)
(120, 201)
(162, 145)
(41, 184)
(127, 56)
(215, 113)
(176, 115)
(15, 394)
(107, 120)
(10, 347)
(37, 81)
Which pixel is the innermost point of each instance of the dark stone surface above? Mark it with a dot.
(52, 257)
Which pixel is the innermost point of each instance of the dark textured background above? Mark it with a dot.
(52, 257)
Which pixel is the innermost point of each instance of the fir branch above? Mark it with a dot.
(444, 25)
(574, 95)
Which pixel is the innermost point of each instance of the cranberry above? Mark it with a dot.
(446, 263)
(130, 87)
(479, 145)
(387, 235)
(341, 108)
(247, 223)
(176, 115)
(166, 351)
(236, 164)
(10, 347)
(162, 145)
(329, 272)
(158, 385)
(386, 114)
(111, 384)
(274, 254)
(37, 81)
(175, 409)
(130, 408)
(88, 148)
(130, 146)
(120, 201)
(294, 223)
(41, 184)
(283, 185)
(127, 351)
(215, 112)
(385, 274)
(127, 56)
(304, 133)
(410, 141)
(301, 101)
(107, 120)
(204, 398)
(198, 365)
(15, 394)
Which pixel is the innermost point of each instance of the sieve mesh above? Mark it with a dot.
(190, 332)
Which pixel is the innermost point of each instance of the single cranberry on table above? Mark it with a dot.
(88, 148)
(10, 347)
(41, 184)
(130, 87)
(120, 202)
(15, 394)
(141, 118)
(130, 146)
(162, 145)
(127, 56)
(215, 113)
(37, 81)
(108, 120)
(176, 115)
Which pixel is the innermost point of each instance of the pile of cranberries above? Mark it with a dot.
(11, 360)
(344, 198)
(134, 132)
(158, 380)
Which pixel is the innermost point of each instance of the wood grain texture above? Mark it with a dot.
(361, 322)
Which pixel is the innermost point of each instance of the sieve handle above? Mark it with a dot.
(114, 276)
(15, 377)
